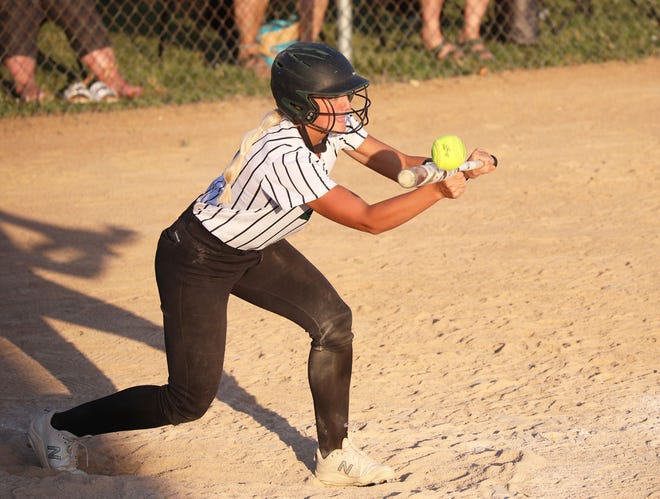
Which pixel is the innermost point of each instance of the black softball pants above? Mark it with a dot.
(196, 273)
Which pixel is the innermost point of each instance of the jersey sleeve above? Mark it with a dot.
(353, 138)
(296, 178)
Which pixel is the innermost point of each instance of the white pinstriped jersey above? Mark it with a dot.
(270, 195)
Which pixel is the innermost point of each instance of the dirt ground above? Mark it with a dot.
(506, 342)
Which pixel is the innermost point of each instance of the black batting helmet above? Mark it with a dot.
(305, 70)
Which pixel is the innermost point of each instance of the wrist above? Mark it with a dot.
(435, 190)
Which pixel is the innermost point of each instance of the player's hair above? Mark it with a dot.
(232, 171)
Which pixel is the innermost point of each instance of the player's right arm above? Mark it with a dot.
(346, 208)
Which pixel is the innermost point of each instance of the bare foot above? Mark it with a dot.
(128, 91)
(32, 93)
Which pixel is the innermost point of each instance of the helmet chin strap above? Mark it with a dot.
(315, 148)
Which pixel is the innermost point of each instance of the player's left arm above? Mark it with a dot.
(383, 158)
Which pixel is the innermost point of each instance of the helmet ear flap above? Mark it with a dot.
(299, 114)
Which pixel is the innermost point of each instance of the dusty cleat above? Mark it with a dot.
(350, 467)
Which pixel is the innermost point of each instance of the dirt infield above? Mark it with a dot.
(506, 342)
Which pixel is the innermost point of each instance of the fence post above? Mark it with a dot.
(345, 28)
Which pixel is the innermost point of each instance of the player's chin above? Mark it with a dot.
(339, 126)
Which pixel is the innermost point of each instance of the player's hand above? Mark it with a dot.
(453, 187)
(486, 159)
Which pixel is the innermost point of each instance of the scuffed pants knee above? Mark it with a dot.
(335, 332)
(184, 406)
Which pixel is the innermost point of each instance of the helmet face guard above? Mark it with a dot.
(360, 103)
(306, 72)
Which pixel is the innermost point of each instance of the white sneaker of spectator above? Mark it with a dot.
(77, 93)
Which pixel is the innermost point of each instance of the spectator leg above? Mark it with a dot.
(249, 15)
(22, 69)
(103, 64)
(470, 38)
(474, 14)
(312, 17)
(431, 32)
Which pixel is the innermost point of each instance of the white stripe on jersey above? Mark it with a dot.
(281, 175)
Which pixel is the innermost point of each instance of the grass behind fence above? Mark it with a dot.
(612, 29)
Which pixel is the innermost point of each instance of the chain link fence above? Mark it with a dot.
(194, 50)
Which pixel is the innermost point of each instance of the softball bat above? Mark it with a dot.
(428, 173)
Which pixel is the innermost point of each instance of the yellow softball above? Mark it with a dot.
(448, 152)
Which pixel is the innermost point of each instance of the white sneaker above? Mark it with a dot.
(56, 449)
(348, 466)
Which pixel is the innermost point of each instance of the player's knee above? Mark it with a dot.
(184, 407)
(192, 412)
(336, 331)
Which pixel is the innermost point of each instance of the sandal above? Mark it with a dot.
(445, 50)
(102, 93)
(477, 47)
(77, 93)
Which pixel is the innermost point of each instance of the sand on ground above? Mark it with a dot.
(506, 342)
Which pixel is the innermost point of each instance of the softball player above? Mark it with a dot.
(232, 240)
